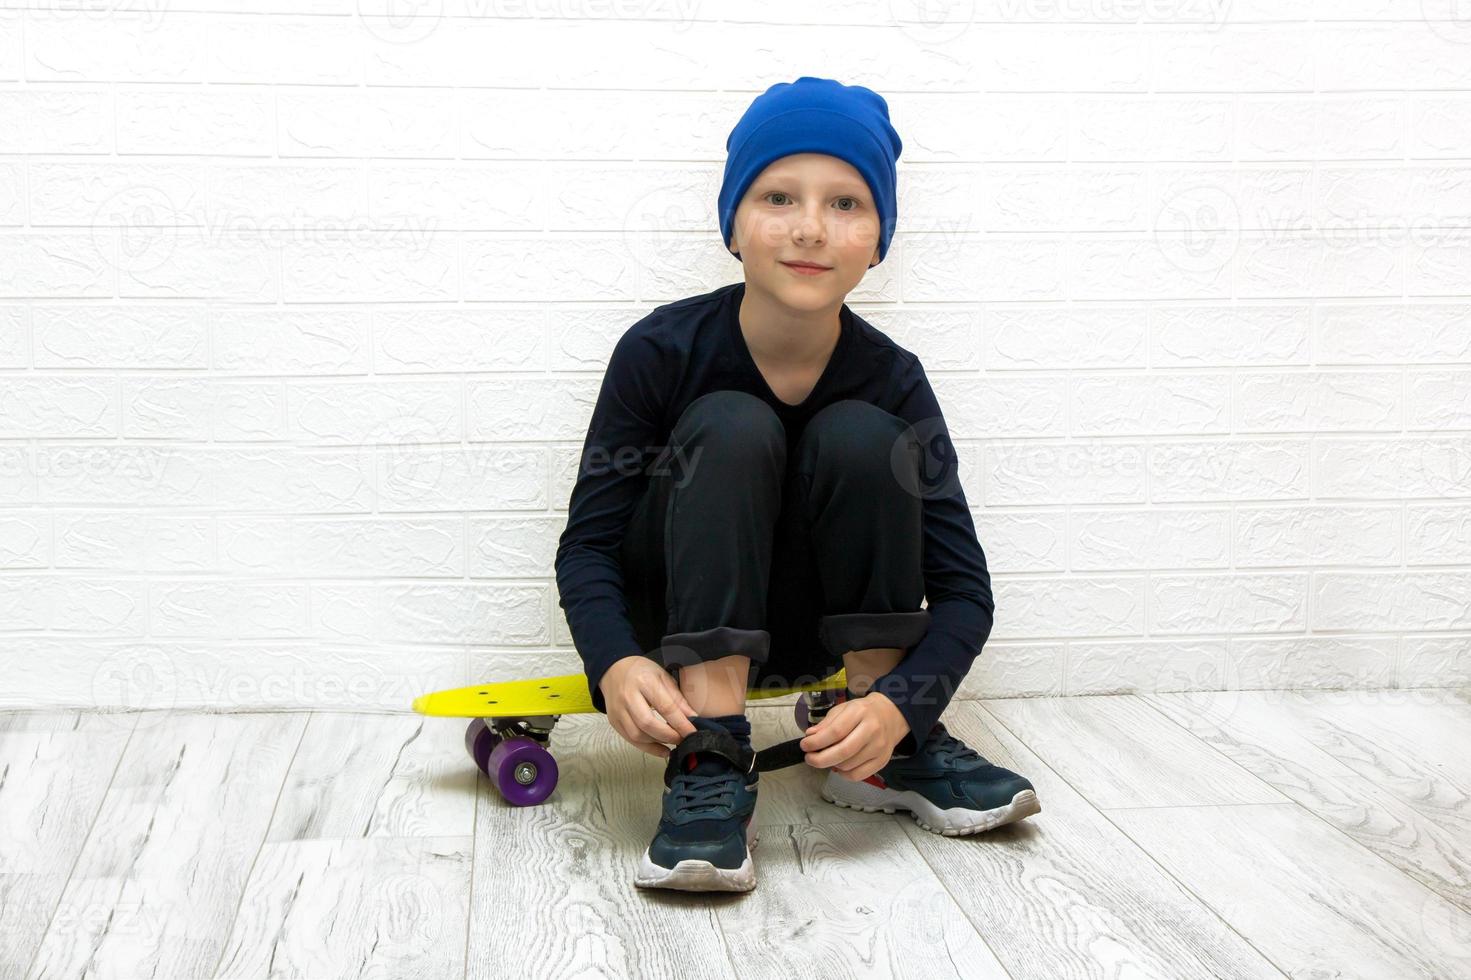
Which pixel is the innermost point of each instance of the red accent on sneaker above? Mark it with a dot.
(690, 762)
(877, 780)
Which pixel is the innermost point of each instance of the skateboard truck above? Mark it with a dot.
(538, 727)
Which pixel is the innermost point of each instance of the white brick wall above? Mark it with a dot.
(304, 307)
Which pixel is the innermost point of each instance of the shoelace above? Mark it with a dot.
(700, 792)
(951, 751)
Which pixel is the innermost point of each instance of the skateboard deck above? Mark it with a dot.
(511, 723)
(566, 694)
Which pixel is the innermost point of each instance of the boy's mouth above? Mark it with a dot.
(805, 268)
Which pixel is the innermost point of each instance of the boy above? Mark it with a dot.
(793, 518)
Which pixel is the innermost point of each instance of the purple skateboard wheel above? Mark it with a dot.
(801, 713)
(479, 741)
(522, 770)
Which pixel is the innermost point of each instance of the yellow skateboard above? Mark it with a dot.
(513, 720)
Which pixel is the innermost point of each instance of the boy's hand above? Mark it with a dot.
(645, 705)
(857, 737)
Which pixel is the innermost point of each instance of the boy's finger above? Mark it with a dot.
(829, 731)
(680, 718)
(648, 725)
(685, 708)
(672, 706)
(659, 729)
(622, 722)
(836, 755)
(654, 749)
(859, 768)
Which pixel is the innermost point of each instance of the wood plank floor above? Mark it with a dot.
(1240, 834)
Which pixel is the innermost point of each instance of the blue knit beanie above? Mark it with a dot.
(814, 115)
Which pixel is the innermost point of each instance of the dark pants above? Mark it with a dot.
(736, 549)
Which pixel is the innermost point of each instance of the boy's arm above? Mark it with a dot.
(620, 437)
(957, 582)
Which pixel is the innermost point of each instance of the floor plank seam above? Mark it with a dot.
(91, 827)
(1339, 831)
(470, 886)
(909, 828)
(1143, 851)
(270, 822)
(1147, 700)
(1198, 899)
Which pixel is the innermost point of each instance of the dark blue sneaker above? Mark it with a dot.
(705, 836)
(947, 787)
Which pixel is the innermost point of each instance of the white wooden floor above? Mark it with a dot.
(1255, 834)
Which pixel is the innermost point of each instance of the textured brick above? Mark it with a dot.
(304, 307)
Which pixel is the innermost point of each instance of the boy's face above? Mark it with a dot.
(807, 207)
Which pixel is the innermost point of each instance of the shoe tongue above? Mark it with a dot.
(707, 763)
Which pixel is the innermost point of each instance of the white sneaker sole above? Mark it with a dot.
(955, 822)
(695, 875)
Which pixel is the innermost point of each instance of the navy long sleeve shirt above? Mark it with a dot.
(684, 349)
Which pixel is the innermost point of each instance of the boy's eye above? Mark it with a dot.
(783, 195)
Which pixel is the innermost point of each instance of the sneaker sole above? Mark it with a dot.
(955, 822)
(695, 875)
